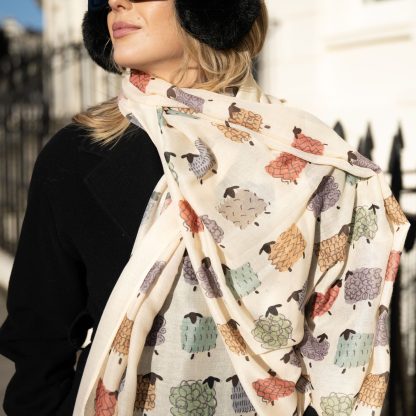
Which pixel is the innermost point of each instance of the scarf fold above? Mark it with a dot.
(295, 239)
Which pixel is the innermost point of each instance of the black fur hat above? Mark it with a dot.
(221, 24)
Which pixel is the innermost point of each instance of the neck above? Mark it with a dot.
(188, 80)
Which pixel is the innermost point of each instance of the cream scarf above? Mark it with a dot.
(250, 182)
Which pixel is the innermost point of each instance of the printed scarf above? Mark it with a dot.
(293, 236)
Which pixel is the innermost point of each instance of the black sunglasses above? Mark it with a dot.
(96, 4)
(99, 4)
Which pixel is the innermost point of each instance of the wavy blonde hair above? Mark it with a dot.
(217, 70)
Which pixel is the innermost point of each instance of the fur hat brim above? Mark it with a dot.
(218, 23)
(97, 39)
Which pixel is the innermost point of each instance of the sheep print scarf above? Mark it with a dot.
(294, 238)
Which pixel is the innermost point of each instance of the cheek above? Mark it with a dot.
(163, 29)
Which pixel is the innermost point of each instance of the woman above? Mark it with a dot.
(168, 302)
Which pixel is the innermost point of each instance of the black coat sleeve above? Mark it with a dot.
(46, 295)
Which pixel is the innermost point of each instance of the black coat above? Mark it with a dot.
(84, 207)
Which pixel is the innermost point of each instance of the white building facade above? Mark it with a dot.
(352, 61)
(76, 81)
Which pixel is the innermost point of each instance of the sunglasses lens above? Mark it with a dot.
(96, 4)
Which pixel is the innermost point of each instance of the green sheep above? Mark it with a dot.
(353, 349)
(363, 223)
(194, 397)
(198, 333)
(242, 281)
(274, 330)
(338, 404)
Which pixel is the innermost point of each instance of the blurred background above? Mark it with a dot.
(351, 63)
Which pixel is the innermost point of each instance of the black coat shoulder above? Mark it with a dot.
(84, 206)
(60, 155)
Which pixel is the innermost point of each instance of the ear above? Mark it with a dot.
(97, 39)
(218, 23)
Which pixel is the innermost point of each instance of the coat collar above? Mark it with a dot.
(117, 181)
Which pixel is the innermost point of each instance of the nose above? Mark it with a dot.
(119, 4)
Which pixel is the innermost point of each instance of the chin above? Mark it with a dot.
(124, 60)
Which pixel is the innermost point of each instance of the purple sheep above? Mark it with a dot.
(325, 196)
(314, 348)
(361, 284)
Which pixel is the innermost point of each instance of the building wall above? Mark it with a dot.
(76, 81)
(348, 60)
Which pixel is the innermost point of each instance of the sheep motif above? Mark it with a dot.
(314, 348)
(194, 397)
(273, 388)
(394, 211)
(322, 302)
(352, 179)
(292, 358)
(156, 333)
(198, 333)
(189, 272)
(151, 205)
(357, 159)
(393, 265)
(363, 223)
(373, 390)
(287, 249)
(146, 391)
(105, 401)
(273, 330)
(233, 134)
(121, 341)
(239, 398)
(133, 119)
(338, 404)
(245, 118)
(382, 328)
(179, 111)
(192, 222)
(353, 349)
(140, 79)
(325, 196)
(299, 296)
(153, 274)
(202, 163)
(161, 119)
(332, 250)
(306, 143)
(212, 226)
(303, 385)
(242, 281)
(196, 103)
(171, 166)
(208, 279)
(287, 167)
(166, 202)
(242, 207)
(361, 284)
(232, 338)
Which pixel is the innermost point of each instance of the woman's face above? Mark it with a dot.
(155, 47)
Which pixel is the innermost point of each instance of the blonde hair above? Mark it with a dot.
(217, 70)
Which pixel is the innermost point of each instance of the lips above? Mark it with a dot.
(121, 29)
